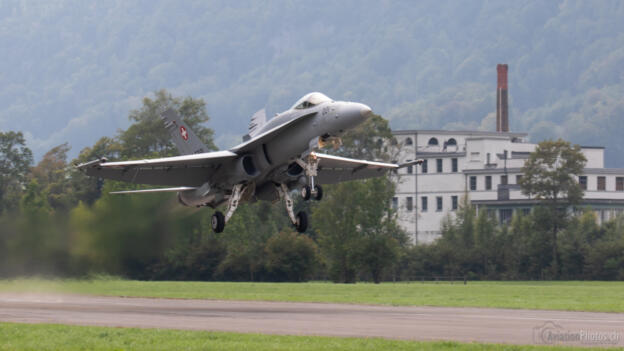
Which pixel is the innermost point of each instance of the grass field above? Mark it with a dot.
(576, 296)
(14, 336)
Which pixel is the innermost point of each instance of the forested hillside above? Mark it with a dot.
(72, 70)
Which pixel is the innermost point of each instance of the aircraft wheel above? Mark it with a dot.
(305, 192)
(302, 222)
(318, 193)
(218, 222)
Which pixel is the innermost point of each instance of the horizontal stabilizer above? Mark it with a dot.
(158, 190)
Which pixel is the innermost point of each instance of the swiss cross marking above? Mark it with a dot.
(183, 133)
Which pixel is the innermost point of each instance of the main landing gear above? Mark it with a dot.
(300, 221)
(218, 219)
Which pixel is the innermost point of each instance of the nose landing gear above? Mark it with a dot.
(311, 170)
(307, 193)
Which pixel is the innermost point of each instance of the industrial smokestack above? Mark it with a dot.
(502, 111)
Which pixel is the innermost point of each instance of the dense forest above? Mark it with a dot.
(72, 71)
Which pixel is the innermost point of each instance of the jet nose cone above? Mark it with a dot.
(365, 111)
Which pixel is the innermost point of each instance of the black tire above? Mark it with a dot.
(302, 222)
(306, 192)
(319, 193)
(218, 222)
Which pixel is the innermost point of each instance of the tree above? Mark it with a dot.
(51, 174)
(88, 189)
(368, 140)
(458, 240)
(246, 236)
(485, 242)
(550, 176)
(147, 137)
(355, 225)
(15, 162)
(291, 257)
(123, 235)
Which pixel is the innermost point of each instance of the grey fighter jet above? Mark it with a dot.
(276, 156)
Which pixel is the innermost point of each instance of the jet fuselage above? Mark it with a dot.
(271, 162)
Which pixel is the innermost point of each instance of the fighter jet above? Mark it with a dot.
(275, 157)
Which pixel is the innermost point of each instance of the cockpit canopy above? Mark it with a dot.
(310, 100)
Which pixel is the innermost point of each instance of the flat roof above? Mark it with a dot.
(496, 170)
(431, 154)
(531, 202)
(456, 132)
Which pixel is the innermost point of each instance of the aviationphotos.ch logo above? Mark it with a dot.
(552, 333)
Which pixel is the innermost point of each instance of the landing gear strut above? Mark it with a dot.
(218, 219)
(300, 221)
(311, 170)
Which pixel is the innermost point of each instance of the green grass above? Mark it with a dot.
(14, 336)
(575, 296)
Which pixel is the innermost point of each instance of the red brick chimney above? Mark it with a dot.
(502, 111)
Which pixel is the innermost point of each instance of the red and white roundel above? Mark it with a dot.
(183, 133)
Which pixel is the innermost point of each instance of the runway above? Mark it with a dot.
(413, 323)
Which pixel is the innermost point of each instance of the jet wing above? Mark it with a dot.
(335, 169)
(269, 134)
(188, 170)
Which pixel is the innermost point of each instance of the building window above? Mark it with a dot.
(619, 183)
(409, 203)
(583, 182)
(424, 166)
(454, 165)
(410, 169)
(504, 215)
(433, 142)
(473, 182)
(504, 180)
(454, 202)
(395, 203)
(488, 182)
(423, 204)
(602, 183)
(518, 178)
(408, 141)
(451, 142)
(439, 203)
(439, 165)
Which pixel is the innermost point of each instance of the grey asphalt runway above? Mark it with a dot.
(413, 323)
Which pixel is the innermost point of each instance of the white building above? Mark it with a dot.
(485, 166)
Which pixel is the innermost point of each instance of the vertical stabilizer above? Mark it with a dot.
(185, 140)
(258, 120)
